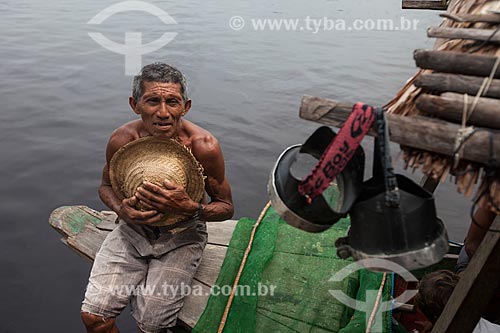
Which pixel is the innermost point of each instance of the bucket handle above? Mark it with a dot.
(382, 160)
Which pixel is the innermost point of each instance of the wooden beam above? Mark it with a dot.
(420, 4)
(464, 84)
(418, 132)
(456, 62)
(450, 106)
(485, 18)
(490, 35)
(476, 287)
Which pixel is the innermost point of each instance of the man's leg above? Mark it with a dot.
(118, 269)
(168, 282)
(98, 324)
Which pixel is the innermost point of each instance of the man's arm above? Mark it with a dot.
(484, 218)
(217, 186)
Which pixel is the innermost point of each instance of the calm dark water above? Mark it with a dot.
(62, 94)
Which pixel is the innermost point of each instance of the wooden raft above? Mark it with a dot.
(84, 229)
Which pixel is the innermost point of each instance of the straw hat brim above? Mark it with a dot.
(156, 159)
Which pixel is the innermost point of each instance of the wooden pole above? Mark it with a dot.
(418, 132)
(450, 106)
(486, 18)
(420, 4)
(456, 62)
(476, 287)
(490, 35)
(464, 84)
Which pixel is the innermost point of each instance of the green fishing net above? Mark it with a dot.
(286, 282)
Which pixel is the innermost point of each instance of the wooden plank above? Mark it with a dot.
(194, 304)
(109, 221)
(220, 232)
(70, 220)
(464, 84)
(210, 265)
(476, 287)
(456, 62)
(450, 106)
(485, 18)
(418, 132)
(87, 242)
(421, 4)
(490, 35)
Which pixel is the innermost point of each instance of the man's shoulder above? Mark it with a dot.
(122, 135)
(202, 139)
(126, 133)
(204, 144)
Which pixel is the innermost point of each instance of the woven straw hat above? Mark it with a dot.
(156, 160)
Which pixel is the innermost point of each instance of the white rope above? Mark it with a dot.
(464, 131)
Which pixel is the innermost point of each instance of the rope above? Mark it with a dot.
(375, 306)
(242, 265)
(467, 131)
(484, 86)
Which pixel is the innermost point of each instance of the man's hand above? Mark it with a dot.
(130, 214)
(171, 199)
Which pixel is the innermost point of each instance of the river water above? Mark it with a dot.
(62, 94)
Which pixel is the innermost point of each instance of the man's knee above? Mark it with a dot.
(98, 324)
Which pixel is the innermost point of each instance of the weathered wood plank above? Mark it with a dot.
(70, 220)
(456, 62)
(194, 304)
(463, 84)
(210, 265)
(450, 106)
(422, 4)
(490, 35)
(88, 241)
(423, 133)
(476, 287)
(220, 232)
(486, 18)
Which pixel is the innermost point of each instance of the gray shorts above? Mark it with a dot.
(146, 269)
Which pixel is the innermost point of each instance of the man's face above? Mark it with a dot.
(161, 108)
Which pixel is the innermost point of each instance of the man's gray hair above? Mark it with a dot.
(158, 72)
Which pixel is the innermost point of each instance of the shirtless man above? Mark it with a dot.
(138, 262)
